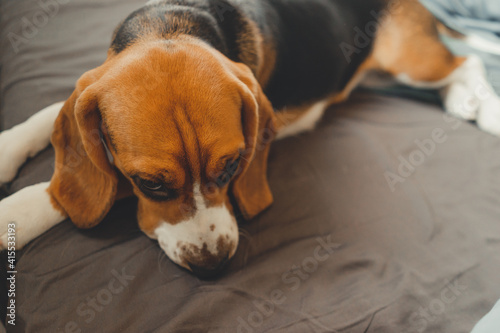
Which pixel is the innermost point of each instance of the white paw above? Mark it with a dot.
(471, 97)
(460, 101)
(461, 96)
(26, 140)
(488, 118)
(12, 153)
(27, 214)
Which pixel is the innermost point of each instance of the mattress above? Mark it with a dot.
(386, 217)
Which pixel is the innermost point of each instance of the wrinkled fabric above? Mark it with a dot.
(340, 250)
(481, 17)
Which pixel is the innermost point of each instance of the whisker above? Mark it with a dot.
(245, 234)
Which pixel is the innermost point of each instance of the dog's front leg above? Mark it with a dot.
(26, 140)
(30, 212)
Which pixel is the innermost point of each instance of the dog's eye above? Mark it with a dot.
(154, 190)
(151, 186)
(229, 171)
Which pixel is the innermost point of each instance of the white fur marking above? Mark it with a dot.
(470, 96)
(305, 123)
(198, 197)
(31, 211)
(26, 140)
(407, 80)
(467, 94)
(197, 230)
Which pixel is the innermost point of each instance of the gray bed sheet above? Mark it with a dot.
(341, 250)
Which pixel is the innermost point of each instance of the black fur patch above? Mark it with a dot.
(165, 20)
(307, 34)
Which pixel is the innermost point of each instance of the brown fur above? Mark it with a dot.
(84, 184)
(169, 129)
(160, 122)
(407, 42)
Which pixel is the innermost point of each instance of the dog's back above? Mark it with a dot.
(308, 36)
(304, 38)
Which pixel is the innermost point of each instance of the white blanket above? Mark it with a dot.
(490, 323)
(481, 17)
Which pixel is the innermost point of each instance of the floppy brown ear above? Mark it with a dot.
(251, 189)
(84, 182)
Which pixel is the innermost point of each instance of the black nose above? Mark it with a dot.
(209, 272)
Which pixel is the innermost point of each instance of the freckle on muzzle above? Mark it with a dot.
(205, 264)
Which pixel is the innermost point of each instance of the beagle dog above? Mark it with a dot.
(192, 93)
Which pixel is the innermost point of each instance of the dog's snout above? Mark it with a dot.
(201, 244)
(211, 270)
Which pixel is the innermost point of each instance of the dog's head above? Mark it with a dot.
(186, 127)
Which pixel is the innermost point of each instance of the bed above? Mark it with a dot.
(351, 244)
